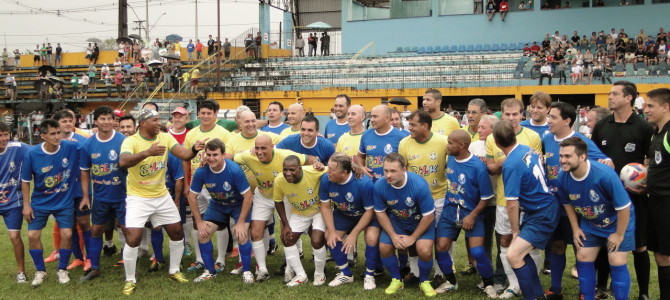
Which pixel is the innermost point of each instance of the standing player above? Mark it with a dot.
(144, 155)
(308, 141)
(539, 108)
(525, 188)
(594, 191)
(338, 126)
(11, 202)
(405, 210)
(443, 123)
(351, 140)
(300, 186)
(294, 118)
(275, 112)
(230, 198)
(50, 166)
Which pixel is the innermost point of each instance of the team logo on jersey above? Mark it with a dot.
(658, 157)
(630, 147)
(604, 143)
(226, 186)
(113, 155)
(388, 149)
(433, 156)
(349, 197)
(594, 196)
(65, 162)
(461, 179)
(12, 167)
(310, 191)
(409, 201)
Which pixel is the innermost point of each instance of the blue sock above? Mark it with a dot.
(620, 281)
(444, 261)
(64, 258)
(245, 254)
(371, 259)
(557, 266)
(157, 244)
(340, 259)
(484, 266)
(206, 250)
(526, 281)
(403, 259)
(587, 279)
(391, 264)
(38, 259)
(95, 248)
(424, 269)
(87, 240)
(76, 250)
(539, 292)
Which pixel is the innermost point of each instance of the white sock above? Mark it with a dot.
(511, 277)
(536, 255)
(176, 253)
(196, 246)
(320, 257)
(259, 251)
(130, 262)
(293, 260)
(144, 244)
(221, 245)
(414, 265)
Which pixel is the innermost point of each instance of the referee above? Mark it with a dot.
(624, 137)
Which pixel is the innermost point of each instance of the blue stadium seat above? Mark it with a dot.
(461, 48)
(421, 50)
(445, 49)
(503, 47)
(494, 47)
(487, 47)
(478, 47)
(437, 49)
(415, 49)
(407, 49)
(512, 46)
(470, 48)
(453, 48)
(399, 50)
(429, 49)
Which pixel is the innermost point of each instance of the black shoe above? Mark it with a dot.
(109, 251)
(281, 270)
(90, 275)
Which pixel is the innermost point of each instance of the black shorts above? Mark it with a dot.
(658, 234)
(641, 204)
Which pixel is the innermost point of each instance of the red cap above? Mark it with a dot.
(180, 110)
(119, 113)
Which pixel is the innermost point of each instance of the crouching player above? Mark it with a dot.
(594, 191)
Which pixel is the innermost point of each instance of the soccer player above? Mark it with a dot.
(378, 142)
(275, 112)
(335, 128)
(99, 163)
(349, 142)
(594, 191)
(300, 186)
(230, 198)
(658, 113)
(294, 118)
(525, 188)
(468, 193)
(11, 206)
(443, 123)
(476, 109)
(405, 210)
(127, 125)
(308, 141)
(346, 207)
(144, 155)
(539, 108)
(50, 166)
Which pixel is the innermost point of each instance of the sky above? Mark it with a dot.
(25, 23)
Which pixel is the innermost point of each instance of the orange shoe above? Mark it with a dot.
(54, 256)
(75, 263)
(87, 265)
(235, 252)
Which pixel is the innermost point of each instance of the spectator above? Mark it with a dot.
(490, 9)
(300, 45)
(545, 71)
(226, 49)
(198, 50)
(17, 60)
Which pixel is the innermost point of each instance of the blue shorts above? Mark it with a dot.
(446, 226)
(403, 230)
(13, 218)
(64, 217)
(80, 213)
(103, 212)
(221, 214)
(563, 231)
(538, 226)
(628, 243)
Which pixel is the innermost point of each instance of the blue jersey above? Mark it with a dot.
(334, 130)
(468, 182)
(11, 161)
(276, 130)
(101, 158)
(351, 198)
(322, 149)
(53, 175)
(174, 172)
(226, 186)
(524, 179)
(540, 129)
(405, 205)
(551, 147)
(376, 146)
(596, 198)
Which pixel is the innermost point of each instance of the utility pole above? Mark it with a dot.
(139, 27)
(123, 18)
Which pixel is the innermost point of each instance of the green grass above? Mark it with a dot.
(226, 286)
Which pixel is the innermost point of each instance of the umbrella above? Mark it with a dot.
(124, 39)
(136, 70)
(135, 36)
(94, 40)
(155, 62)
(174, 38)
(319, 25)
(38, 83)
(57, 79)
(400, 101)
(171, 56)
(44, 69)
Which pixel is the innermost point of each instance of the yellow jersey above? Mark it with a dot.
(266, 172)
(147, 178)
(287, 131)
(445, 125)
(526, 137)
(428, 159)
(237, 143)
(349, 143)
(474, 136)
(197, 134)
(303, 195)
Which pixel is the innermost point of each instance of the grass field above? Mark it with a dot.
(226, 286)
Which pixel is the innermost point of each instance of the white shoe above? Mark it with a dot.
(319, 279)
(446, 287)
(204, 276)
(297, 280)
(288, 275)
(39, 278)
(63, 276)
(369, 283)
(490, 292)
(21, 278)
(247, 277)
(509, 293)
(340, 279)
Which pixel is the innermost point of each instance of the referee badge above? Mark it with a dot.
(409, 201)
(658, 157)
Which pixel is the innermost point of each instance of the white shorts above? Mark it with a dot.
(502, 226)
(300, 223)
(263, 208)
(160, 211)
(203, 200)
(439, 205)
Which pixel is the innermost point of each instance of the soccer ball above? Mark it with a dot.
(633, 174)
